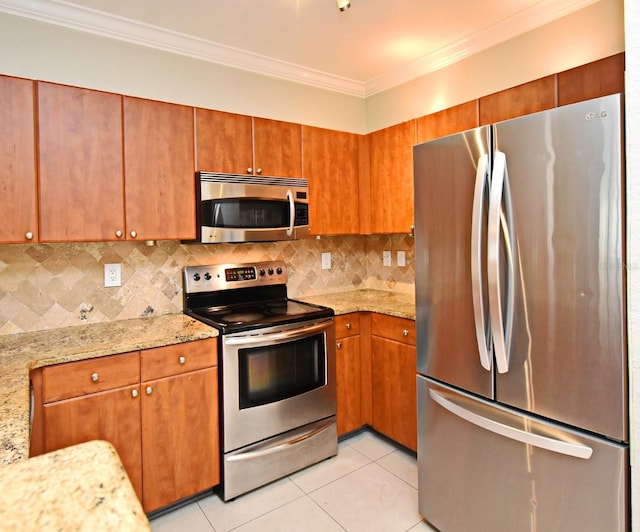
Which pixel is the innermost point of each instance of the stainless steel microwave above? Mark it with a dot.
(243, 208)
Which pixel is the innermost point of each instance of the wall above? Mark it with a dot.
(632, 103)
(44, 286)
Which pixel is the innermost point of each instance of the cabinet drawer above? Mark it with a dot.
(347, 325)
(74, 379)
(398, 329)
(174, 359)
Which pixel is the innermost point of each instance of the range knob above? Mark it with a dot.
(196, 276)
(279, 270)
(207, 276)
(261, 272)
(270, 270)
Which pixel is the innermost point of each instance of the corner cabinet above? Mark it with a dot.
(159, 170)
(391, 178)
(331, 163)
(157, 407)
(393, 367)
(240, 144)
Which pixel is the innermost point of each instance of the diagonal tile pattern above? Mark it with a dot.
(44, 286)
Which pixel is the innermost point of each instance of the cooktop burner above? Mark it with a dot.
(241, 297)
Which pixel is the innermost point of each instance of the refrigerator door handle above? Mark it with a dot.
(482, 174)
(500, 221)
(543, 442)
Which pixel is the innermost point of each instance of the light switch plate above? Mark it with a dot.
(386, 258)
(112, 275)
(326, 261)
(402, 258)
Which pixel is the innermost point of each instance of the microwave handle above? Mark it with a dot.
(292, 213)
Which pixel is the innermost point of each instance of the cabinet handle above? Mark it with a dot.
(405, 332)
(182, 360)
(148, 390)
(258, 171)
(28, 235)
(134, 393)
(249, 170)
(95, 377)
(133, 234)
(118, 233)
(348, 326)
(339, 345)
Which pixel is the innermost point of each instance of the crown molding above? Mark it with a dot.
(88, 20)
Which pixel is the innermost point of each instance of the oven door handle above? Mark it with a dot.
(286, 335)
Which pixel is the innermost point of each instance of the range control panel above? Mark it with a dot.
(216, 277)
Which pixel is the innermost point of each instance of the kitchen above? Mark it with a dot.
(356, 259)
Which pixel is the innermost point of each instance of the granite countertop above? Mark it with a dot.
(83, 487)
(20, 353)
(391, 303)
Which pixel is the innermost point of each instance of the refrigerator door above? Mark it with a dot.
(567, 351)
(450, 183)
(483, 467)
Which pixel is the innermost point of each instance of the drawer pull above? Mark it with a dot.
(182, 360)
(348, 326)
(134, 393)
(405, 332)
(149, 390)
(95, 377)
(339, 345)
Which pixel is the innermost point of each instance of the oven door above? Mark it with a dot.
(276, 379)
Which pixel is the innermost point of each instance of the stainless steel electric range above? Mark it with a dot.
(277, 358)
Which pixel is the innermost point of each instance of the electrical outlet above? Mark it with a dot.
(326, 261)
(402, 258)
(112, 275)
(386, 258)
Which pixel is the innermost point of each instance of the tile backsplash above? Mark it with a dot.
(44, 286)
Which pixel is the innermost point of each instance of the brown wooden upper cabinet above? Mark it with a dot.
(159, 170)
(447, 122)
(391, 178)
(599, 78)
(331, 163)
(17, 161)
(81, 168)
(524, 99)
(239, 144)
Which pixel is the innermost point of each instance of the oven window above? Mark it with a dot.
(280, 371)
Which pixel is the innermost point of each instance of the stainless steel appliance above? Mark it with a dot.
(522, 385)
(277, 356)
(241, 208)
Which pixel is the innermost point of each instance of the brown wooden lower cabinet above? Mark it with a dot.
(348, 373)
(165, 429)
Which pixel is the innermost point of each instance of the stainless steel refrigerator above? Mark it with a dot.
(521, 338)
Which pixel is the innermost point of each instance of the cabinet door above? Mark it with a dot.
(223, 142)
(277, 148)
(331, 164)
(447, 122)
(113, 416)
(348, 384)
(391, 174)
(159, 170)
(525, 99)
(80, 147)
(179, 437)
(17, 161)
(599, 78)
(394, 390)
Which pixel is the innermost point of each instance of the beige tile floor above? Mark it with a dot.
(371, 485)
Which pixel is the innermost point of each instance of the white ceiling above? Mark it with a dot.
(373, 46)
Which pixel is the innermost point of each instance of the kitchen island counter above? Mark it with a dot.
(83, 487)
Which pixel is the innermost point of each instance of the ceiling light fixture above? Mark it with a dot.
(343, 5)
